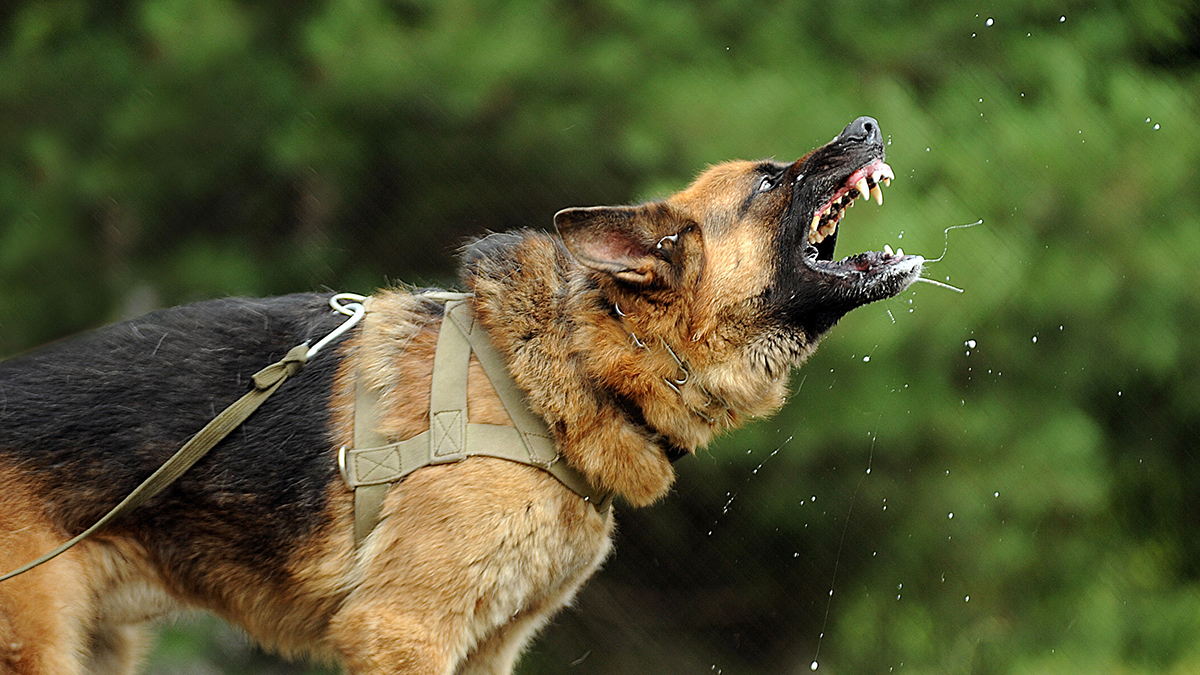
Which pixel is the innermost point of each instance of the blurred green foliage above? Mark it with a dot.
(1002, 481)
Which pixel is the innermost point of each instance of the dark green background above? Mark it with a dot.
(1027, 504)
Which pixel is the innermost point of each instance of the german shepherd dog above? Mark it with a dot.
(637, 334)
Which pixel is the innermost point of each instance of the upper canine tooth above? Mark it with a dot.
(877, 194)
(816, 221)
(862, 188)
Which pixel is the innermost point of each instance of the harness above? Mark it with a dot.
(375, 463)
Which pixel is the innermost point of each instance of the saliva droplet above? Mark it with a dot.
(812, 666)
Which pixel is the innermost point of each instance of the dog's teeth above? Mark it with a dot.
(877, 194)
(900, 252)
(862, 187)
(887, 180)
(887, 248)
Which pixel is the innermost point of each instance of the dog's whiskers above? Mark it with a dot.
(938, 283)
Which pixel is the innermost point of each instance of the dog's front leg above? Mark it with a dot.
(376, 639)
(469, 560)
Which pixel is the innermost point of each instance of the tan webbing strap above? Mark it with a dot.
(534, 434)
(448, 394)
(368, 497)
(266, 382)
(373, 464)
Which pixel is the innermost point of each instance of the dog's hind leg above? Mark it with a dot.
(43, 614)
(46, 613)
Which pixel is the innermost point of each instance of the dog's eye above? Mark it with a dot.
(767, 183)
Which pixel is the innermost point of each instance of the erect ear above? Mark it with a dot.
(612, 239)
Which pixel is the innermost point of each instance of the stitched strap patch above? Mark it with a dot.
(447, 436)
(376, 465)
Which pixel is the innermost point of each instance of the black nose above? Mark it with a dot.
(863, 129)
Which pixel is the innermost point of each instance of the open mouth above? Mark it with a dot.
(865, 183)
(815, 289)
(870, 275)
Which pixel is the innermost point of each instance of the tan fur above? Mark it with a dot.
(470, 559)
(53, 614)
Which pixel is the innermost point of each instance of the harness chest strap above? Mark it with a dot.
(374, 463)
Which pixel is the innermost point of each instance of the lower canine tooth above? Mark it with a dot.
(816, 221)
(887, 248)
(877, 194)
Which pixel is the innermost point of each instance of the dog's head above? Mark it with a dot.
(751, 247)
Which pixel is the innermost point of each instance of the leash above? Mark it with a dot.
(266, 382)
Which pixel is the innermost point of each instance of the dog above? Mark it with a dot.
(637, 334)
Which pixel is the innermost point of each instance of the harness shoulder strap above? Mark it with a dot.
(374, 464)
(532, 429)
